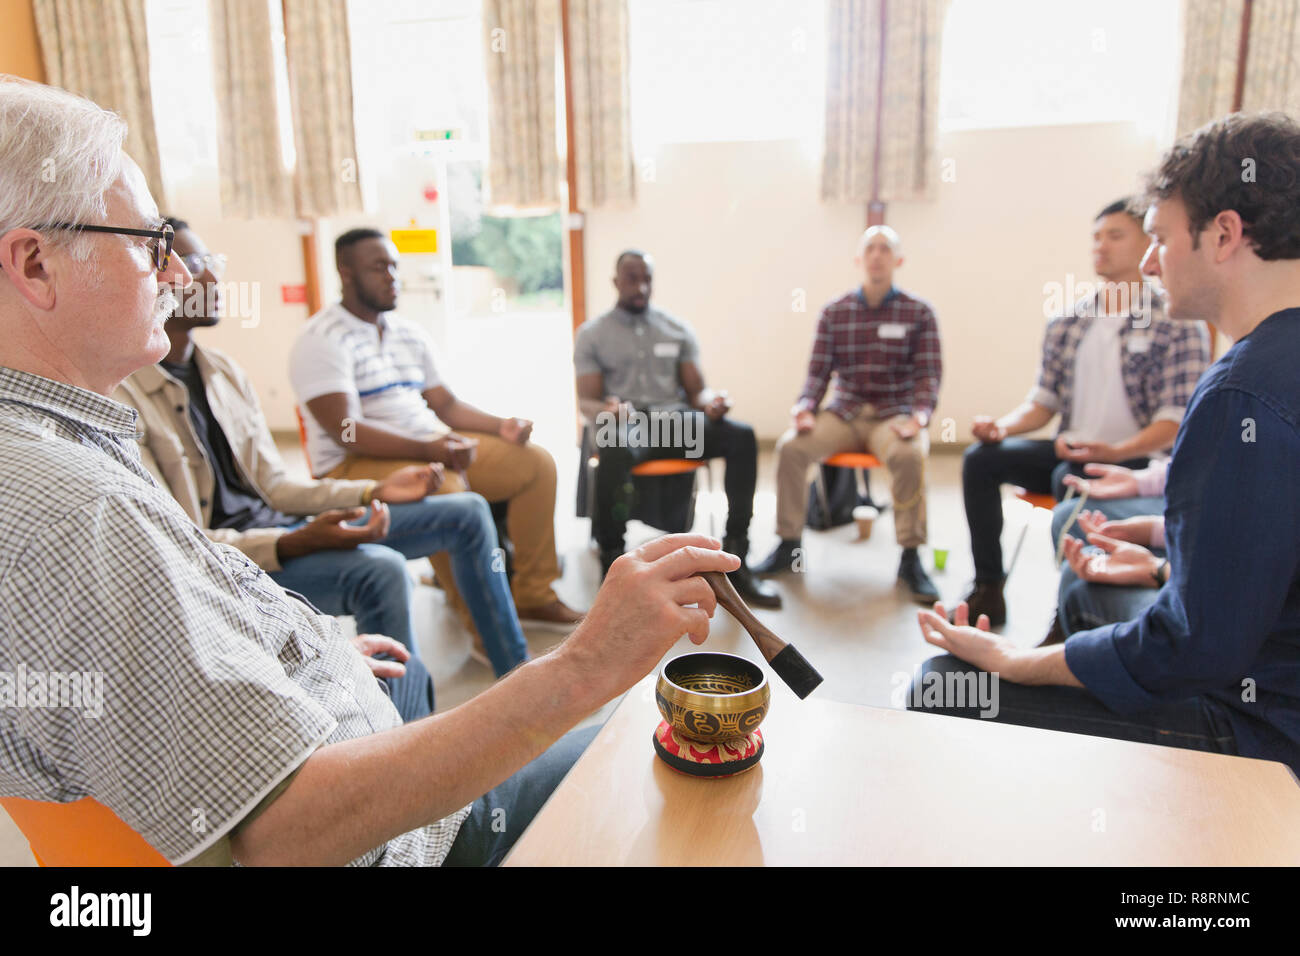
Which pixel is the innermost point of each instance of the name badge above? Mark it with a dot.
(1139, 344)
(892, 330)
(668, 349)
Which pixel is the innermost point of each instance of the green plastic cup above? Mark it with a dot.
(940, 558)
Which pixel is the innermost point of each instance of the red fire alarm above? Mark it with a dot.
(431, 193)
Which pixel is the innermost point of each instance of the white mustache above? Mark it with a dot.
(165, 304)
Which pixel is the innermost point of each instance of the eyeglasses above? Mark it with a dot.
(160, 248)
(198, 262)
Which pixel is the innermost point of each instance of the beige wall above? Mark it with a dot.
(737, 228)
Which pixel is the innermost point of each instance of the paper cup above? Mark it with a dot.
(940, 558)
(865, 516)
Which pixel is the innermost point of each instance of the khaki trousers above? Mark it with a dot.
(831, 435)
(524, 475)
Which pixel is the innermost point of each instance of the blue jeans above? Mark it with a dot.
(497, 818)
(1082, 605)
(370, 582)
(1195, 723)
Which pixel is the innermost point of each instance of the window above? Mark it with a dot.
(726, 70)
(1034, 63)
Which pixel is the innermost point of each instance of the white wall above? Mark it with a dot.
(736, 228)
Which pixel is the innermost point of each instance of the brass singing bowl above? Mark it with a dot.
(711, 696)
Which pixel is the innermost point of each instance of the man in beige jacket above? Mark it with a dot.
(204, 439)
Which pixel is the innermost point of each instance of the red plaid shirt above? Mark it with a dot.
(887, 357)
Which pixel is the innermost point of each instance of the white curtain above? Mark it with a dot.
(598, 59)
(907, 101)
(520, 39)
(99, 49)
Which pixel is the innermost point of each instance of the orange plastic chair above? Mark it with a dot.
(668, 466)
(655, 468)
(81, 833)
(859, 461)
(853, 459)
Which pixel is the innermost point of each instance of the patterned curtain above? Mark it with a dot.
(100, 49)
(909, 116)
(254, 183)
(1211, 32)
(320, 83)
(1273, 60)
(598, 57)
(520, 37)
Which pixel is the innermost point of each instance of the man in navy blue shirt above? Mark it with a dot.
(1214, 663)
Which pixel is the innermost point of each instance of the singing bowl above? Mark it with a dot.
(712, 697)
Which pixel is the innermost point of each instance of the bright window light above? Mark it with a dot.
(726, 70)
(1035, 63)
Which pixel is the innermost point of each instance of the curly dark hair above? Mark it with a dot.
(1246, 162)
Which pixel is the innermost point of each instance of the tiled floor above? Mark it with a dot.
(844, 613)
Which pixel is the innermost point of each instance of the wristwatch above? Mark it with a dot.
(1160, 575)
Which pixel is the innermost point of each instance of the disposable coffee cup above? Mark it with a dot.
(865, 516)
(940, 558)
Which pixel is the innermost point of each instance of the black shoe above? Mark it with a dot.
(606, 559)
(780, 560)
(913, 575)
(986, 598)
(755, 593)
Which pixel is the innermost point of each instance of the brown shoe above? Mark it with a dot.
(1056, 634)
(555, 616)
(986, 598)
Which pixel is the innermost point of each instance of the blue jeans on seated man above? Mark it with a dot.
(371, 583)
(1195, 723)
(497, 818)
(1082, 605)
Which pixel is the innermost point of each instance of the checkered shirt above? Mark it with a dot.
(895, 373)
(216, 684)
(1161, 362)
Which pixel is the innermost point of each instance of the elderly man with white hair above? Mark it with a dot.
(237, 724)
(882, 346)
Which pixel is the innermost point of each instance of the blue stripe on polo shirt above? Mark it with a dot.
(383, 388)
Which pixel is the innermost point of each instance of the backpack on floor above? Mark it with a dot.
(842, 496)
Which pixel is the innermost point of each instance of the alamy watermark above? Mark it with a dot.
(239, 300)
(76, 690)
(947, 689)
(1089, 299)
(630, 428)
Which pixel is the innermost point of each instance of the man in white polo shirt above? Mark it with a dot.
(373, 402)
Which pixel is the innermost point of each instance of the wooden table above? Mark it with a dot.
(847, 785)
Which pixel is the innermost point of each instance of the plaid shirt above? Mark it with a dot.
(887, 357)
(216, 685)
(1161, 362)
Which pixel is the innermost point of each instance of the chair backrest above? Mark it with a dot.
(81, 833)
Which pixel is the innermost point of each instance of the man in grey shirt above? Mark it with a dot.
(640, 384)
(234, 719)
